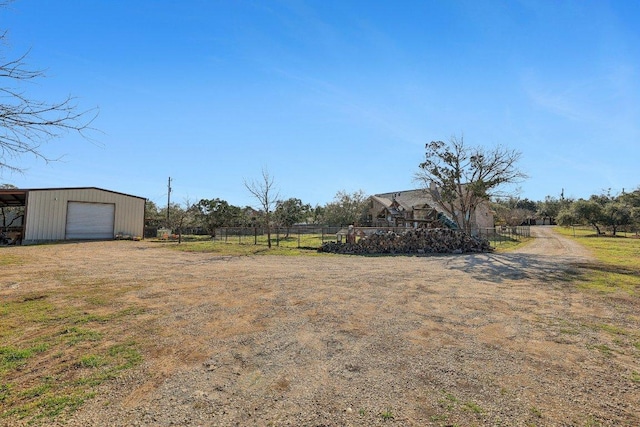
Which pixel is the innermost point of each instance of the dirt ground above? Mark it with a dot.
(474, 339)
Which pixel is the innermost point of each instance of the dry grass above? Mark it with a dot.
(118, 333)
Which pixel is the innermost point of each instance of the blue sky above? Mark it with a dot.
(331, 95)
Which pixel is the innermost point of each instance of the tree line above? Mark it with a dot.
(208, 215)
(605, 212)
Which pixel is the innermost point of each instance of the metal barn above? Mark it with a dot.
(74, 213)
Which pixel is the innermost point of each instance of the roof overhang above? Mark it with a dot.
(12, 198)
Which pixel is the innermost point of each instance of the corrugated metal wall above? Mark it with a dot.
(46, 213)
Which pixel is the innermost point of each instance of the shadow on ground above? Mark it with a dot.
(497, 268)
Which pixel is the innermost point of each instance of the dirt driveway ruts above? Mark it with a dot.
(474, 339)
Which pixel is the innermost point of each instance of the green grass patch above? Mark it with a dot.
(33, 308)
(510, 244)
(473, 407)
(39, 390)
(611, 329)
(616, 267)
(125, 355)
(536, 412)
(70, 388)
(620, 340)
(243, 245)
(12, 358)
(448, 402)
(91, 361)
(452, 404)
(604, 349)
(242, 249)
(5, 389)
(92, 318)
(59, 340)
(450, 397)
(118, 358)
(387, 415)
(53, 405)
(75, 335)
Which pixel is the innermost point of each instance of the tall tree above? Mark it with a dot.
(604, 210)
(265, 192)
(346, 209)
(513, 211)
(616, 215)
(566, 217)
(152, 215)
(632, 200)
(589, 212)
(27, 123)
(550, 208)
(459, 178)
(317, 214)
(290, 211)
(215, 213)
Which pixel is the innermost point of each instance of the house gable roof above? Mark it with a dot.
(408, 199)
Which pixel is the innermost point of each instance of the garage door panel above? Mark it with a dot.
(90, 220)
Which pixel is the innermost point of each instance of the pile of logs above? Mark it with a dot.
(412, 241)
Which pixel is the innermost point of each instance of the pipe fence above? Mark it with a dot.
(312, 237)
(504, 233)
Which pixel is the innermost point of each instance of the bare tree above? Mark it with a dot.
(180, 218)
(10, 215)
(26, 123)
(266, 194)
(460, 178)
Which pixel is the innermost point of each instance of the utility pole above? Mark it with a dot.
(168, 199)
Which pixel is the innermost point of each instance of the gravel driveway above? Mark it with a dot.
(477, 339)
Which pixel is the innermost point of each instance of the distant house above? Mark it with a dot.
(251, 215)
(416, 208)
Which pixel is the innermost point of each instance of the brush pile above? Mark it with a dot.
(411, 241)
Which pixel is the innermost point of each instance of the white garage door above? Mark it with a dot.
(90, 220)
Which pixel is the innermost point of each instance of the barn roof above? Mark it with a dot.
(18, 196)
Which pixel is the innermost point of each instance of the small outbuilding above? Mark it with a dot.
(87, 213)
